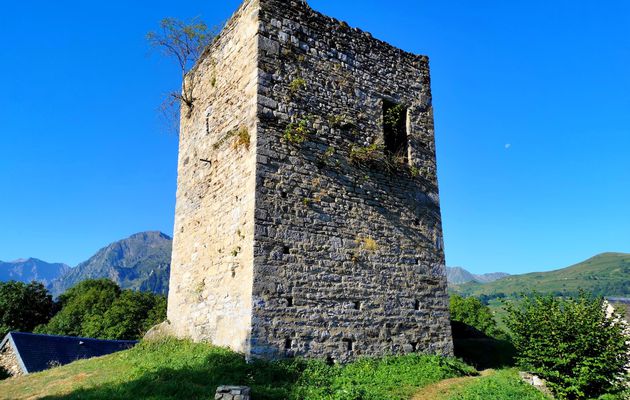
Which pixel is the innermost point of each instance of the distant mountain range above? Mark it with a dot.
(32, 269)
(140, 262)
(606, 274)
(458, 275)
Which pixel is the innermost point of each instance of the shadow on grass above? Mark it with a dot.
(480, 350)
(268, 380)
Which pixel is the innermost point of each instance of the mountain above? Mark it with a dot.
(140, 262)
(458, 275)
(606, 274)
(32, 269)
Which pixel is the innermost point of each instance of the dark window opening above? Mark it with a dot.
(284, 195)
(288, 343)
(289, 301)
(416, 305)
(349, 344)
(286, 250)
(414, 346)
(395, 130)
(357, 305)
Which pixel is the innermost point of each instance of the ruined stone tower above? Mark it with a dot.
(307, 218)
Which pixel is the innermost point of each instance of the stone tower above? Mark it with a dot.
(307, 218)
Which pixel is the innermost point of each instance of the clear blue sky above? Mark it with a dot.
(532, 108)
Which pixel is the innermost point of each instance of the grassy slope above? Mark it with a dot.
(502, 385)
(183, 370)
(607, 274)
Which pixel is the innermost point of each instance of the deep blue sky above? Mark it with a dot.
(532, 108)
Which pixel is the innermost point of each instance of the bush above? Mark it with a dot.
(23, 306)
(472, 312)
(476, 338)
(571, 343)
(99, 309)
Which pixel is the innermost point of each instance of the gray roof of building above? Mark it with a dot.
(40, 352)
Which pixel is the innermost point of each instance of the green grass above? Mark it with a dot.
(173, 369)
(502, 385)
(606, 274)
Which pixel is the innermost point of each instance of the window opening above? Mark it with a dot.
(395, 130)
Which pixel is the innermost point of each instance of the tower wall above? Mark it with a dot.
(348, 258)
(288, 248)
(211, 268)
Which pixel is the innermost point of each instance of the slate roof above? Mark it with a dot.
(40, 352)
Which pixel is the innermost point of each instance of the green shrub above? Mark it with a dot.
(471, 311)
(571, 343)
(297, 132)
(98, 308)
(297, 84)
(503, 385)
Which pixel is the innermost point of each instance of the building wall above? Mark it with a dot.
(9, 361)
(344, 255)
(211, 273)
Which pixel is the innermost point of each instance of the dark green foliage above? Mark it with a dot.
(4, 374)
(503, 385)
(471, 311)
(484, 353)
(131, 315)
(476, 337)
(23, 306)
(172, 369)
(99, 309)
(570, 343)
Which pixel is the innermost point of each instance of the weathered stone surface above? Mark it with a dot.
(159, 331)
(232, 393)
(9, 361)
(293, 249)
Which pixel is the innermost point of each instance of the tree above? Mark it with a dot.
(99, 309)
(82, 306)
(23, 306)
(185, 42)
(571, 343)
(472, 312)
(131, 315)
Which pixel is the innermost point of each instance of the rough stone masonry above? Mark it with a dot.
(307, 217)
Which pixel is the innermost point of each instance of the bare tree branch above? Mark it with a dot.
(185, 42)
